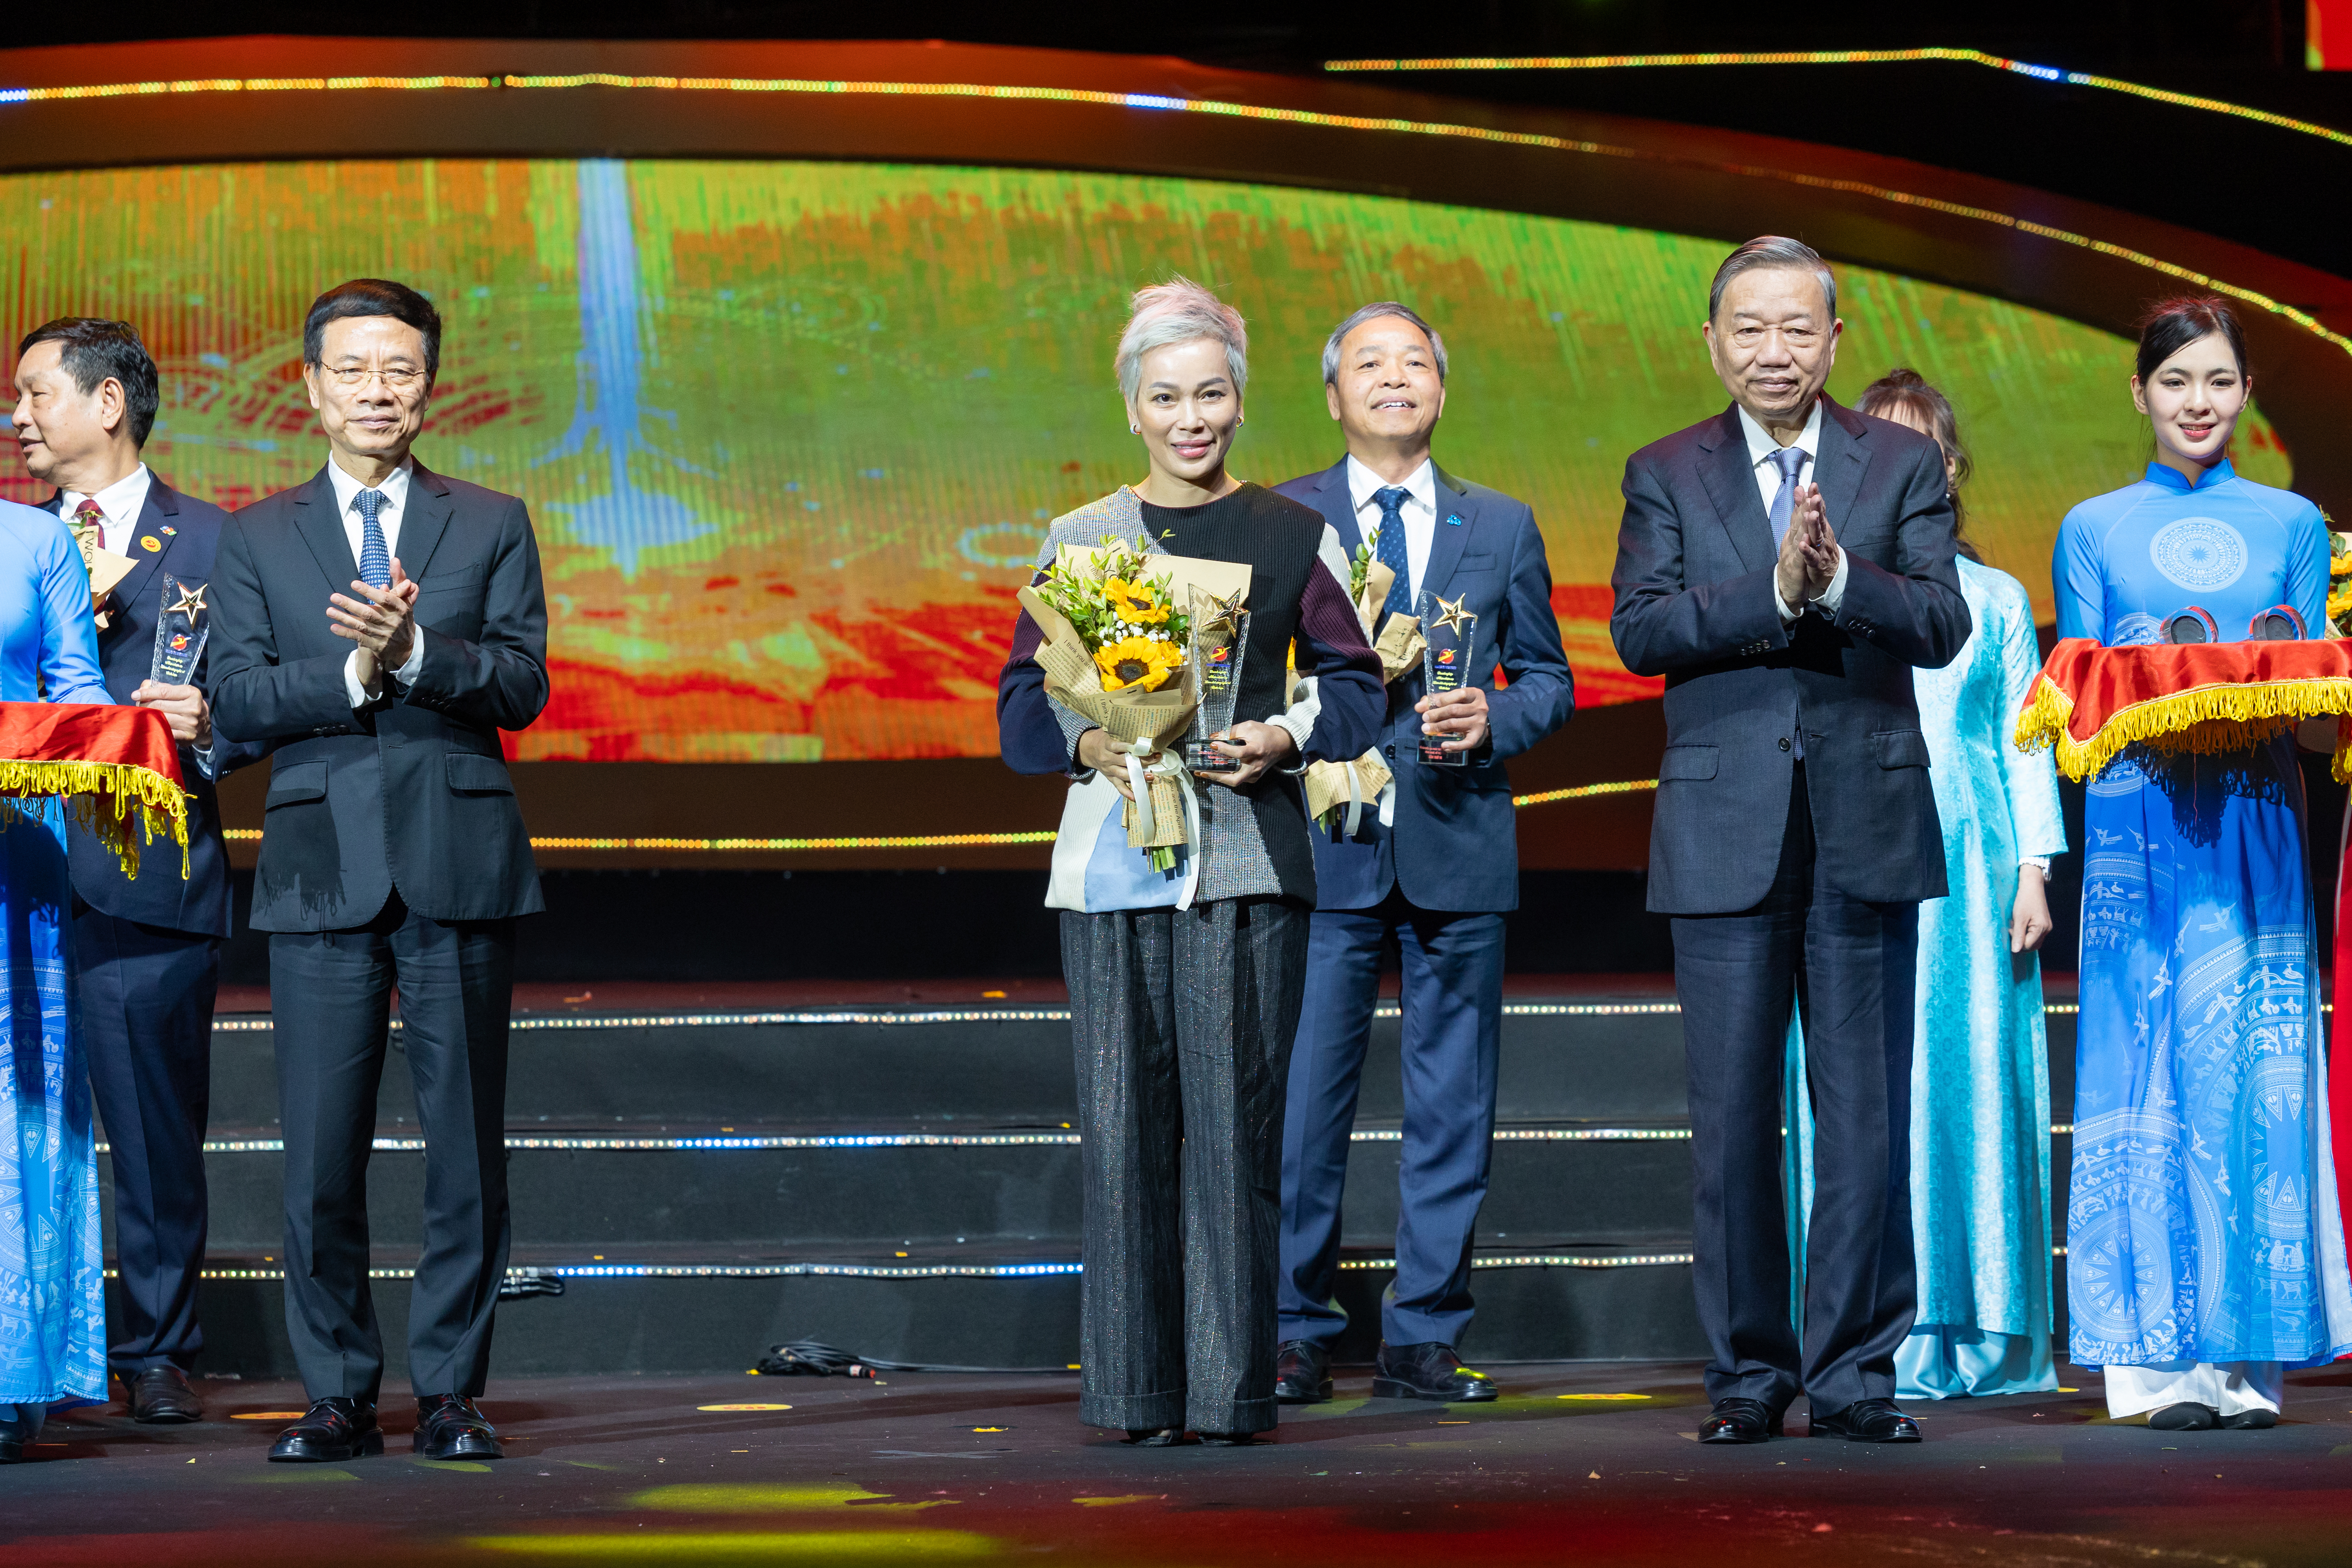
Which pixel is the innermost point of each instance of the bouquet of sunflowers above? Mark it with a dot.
(1119, 651)
(1336, 792)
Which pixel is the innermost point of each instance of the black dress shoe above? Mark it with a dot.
(2185, 1417)
(331, 1429)
(1867, 1421)
(160, 1396)
(12, 1451)
(1429, 1370)
(1302, 1374)
(2255, 1420)
(1155, 1436)
(449, 1428)
(1737, 1420)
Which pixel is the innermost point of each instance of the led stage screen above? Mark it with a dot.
(791, 430)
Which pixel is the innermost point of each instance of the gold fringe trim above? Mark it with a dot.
(2204, 720)
(102, 797)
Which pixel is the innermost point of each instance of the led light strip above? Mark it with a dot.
(1016, 1016)
(942, 1016)
(946, 1270)
(1849, 58)
(1545, 1260)
(920, 841)
(1302, 117)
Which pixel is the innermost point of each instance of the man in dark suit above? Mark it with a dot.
(147, 950)
(1431, 867)
(382, 623)
(1785, 566)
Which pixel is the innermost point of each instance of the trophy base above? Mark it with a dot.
(1202, 756)
(1432, 753)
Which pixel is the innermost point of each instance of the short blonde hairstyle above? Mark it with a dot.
(1180, 312)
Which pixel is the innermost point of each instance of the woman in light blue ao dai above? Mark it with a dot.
(52, 1268)
(1979, 1057)
(2205, 1248)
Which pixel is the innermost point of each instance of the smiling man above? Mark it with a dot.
(1785, 564)
(1432, 871)
(381, 624)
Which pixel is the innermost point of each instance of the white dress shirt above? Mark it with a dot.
(1760, 450)
(1419, 512)
(388, 513)
(122, 501)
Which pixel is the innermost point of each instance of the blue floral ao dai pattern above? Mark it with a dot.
(52, 1266)
(2203, 1224)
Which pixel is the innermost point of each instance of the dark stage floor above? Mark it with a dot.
(1582, 1463)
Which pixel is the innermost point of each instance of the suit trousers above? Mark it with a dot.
(1182, 1021)
(147, 996)
(331, 992)
(1851, 966)
(1453, 1005)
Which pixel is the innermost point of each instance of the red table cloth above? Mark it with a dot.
(110, 765)
(2207, 698)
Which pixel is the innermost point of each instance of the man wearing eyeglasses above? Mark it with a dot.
(381, 624)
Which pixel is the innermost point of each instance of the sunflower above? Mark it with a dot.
(1137, 663)
(1134, 602)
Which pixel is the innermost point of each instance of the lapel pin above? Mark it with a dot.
(1455, 518)
(169, 531)
(148, 541)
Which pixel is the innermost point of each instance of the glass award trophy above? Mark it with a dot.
(1448, 632)
(1220, 630)
(180, 633)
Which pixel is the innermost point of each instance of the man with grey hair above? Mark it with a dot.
(1785, 564)
(1432, 866)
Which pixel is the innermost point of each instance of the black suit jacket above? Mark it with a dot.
(183, 533)
(1693, 585)
(411, 791)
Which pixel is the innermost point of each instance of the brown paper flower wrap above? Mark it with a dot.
(1335, 790)
(1148, 723)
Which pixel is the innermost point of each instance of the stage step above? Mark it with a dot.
(904, 1182)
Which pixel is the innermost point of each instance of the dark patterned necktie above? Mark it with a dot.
(1387, 549)
(376, 561)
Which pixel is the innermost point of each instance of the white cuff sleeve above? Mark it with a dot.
(2040, 863)
(1300, 729)
(413, 665)
(1834, 594)
(1788, 616)
(353, 688)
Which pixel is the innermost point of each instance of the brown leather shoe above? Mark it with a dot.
(160, 1396)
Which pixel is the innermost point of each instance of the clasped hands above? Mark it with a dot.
(1250, 746)
(383, 621)
(1808, 552)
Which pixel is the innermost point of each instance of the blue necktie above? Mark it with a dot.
(1387, 549)
(1788, 460)
(376, 561)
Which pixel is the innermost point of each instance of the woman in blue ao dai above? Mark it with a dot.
(2205, 1248)
(52, 1278)
(1980, 1058)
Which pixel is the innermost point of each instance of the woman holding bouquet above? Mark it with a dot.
(2205, 1248)
(1185, 979)
(52, 1278)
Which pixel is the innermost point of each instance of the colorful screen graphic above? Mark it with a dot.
(791, 432)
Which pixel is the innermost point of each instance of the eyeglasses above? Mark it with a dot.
(396, 380)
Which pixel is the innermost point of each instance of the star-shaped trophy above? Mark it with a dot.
(1448, 632)
(180, 628)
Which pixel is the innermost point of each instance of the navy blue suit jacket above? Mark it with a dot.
(1455, 842)
(1695, 604)
(186, 531)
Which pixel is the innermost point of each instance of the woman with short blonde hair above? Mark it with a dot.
(1185, 982)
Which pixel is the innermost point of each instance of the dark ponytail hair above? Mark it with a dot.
(2171, 325)
(1903, 391)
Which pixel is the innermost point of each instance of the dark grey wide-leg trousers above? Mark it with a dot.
(1182, 1022)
